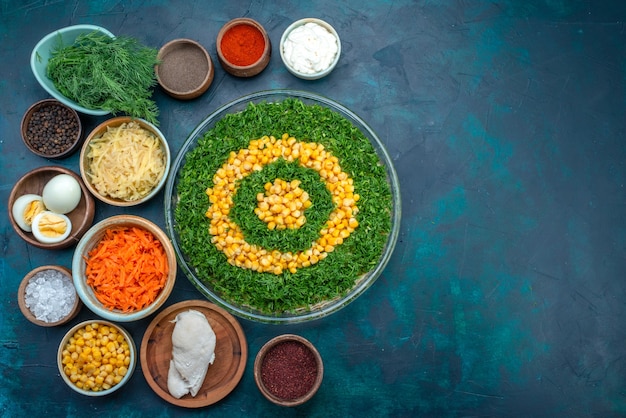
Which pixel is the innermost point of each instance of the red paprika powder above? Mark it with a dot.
(242, 45)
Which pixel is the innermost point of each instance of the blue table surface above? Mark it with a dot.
(506, 123)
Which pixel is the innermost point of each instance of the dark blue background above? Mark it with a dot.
(506, 124)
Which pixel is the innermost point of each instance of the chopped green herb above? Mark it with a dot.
(292, 240)
(114, 74)
(332, 277)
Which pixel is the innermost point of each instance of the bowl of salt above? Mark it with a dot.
(47, 296)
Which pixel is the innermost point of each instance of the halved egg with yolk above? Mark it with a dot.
(51, 228)
(25, 208)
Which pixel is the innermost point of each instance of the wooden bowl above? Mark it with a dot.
(97, 132)
(185, 70)
(81, 217)
(231, 353)
(130, 368)
(310, 73)
(91, 239)
(21, 297)
(243, 65)
(51, 129)
(302, 363)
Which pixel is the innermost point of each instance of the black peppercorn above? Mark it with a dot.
(52, 129)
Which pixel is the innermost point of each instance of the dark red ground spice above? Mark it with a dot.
(289, 370)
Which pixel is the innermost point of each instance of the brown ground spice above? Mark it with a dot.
(289, 370)
(184, 69)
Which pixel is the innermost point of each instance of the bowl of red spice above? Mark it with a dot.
(124, 268)
(288, 370)
(51, 129)
(185, 70)
(243, 47)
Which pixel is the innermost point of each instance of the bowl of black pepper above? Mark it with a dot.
(288, 370)
(185, 70)
(51, 129)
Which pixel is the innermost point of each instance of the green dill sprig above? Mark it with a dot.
(100, 72)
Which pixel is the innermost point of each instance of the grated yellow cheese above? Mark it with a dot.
(126, 162)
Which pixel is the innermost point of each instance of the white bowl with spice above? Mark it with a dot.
(47, 296)
(185, 70)
(310, 48)
(96, 357)
(288, 370)
(124, 268)
(125, 161)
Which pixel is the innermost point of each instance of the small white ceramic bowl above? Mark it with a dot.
(42, 52)
(314, 75)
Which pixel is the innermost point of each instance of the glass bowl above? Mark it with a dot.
(312, 311)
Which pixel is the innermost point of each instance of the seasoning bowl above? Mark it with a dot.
(33, 182)
(288, 370)
(253, 47)
(57, 139)
(308, 50)
(185, 70)
(82, 373)
(92, 239)
(42, 52)
(32, 306)
(111, 193)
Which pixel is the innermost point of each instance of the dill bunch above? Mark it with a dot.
(100, 72)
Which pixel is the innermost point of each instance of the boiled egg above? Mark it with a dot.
(61, 194)
(25, 208)
(50, 227)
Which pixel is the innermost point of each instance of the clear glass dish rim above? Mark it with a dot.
(269, 96)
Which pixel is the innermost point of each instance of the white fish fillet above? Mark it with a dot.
(193, 350)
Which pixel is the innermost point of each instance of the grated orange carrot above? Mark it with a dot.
(127, 269)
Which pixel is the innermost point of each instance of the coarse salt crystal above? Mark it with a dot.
(50, 295)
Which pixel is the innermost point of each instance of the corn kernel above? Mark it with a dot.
(283, 204)
(91, 347)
